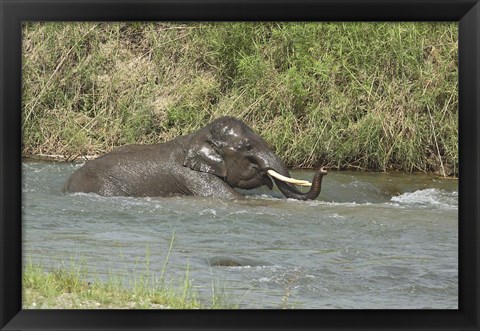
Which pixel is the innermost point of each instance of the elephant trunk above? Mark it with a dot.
(272, 162)
(291, 192)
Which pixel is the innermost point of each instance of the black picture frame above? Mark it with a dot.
(14, 12)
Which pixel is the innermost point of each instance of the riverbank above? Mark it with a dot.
(369, 96)
(68, 288)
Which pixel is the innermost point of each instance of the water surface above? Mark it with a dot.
(370, 240)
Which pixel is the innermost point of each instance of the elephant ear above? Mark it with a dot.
(202, 155)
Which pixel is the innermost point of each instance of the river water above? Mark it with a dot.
(370, 240)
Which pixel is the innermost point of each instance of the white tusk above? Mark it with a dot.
(304, 184)
(288, 179)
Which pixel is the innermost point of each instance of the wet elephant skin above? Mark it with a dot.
(224, 155)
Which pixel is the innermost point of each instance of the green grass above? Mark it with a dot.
(68, 288)
(373, 96)
(75, 286)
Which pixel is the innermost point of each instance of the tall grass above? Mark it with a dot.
(376, 96)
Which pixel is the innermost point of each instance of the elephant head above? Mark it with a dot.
(229, 149)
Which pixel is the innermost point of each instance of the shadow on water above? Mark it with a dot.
(234, 261)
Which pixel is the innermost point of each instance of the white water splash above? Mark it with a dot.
(429, 198)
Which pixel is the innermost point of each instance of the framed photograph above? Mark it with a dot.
(240, 164)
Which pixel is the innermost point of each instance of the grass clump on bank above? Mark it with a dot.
(68, 288)
(76, 287)
(373, 96)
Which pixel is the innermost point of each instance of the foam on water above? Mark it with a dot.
(430, 197)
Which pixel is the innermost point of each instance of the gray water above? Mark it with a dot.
(370, 241)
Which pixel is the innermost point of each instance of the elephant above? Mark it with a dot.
(211, 162)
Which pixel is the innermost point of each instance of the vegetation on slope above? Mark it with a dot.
(373, 96)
